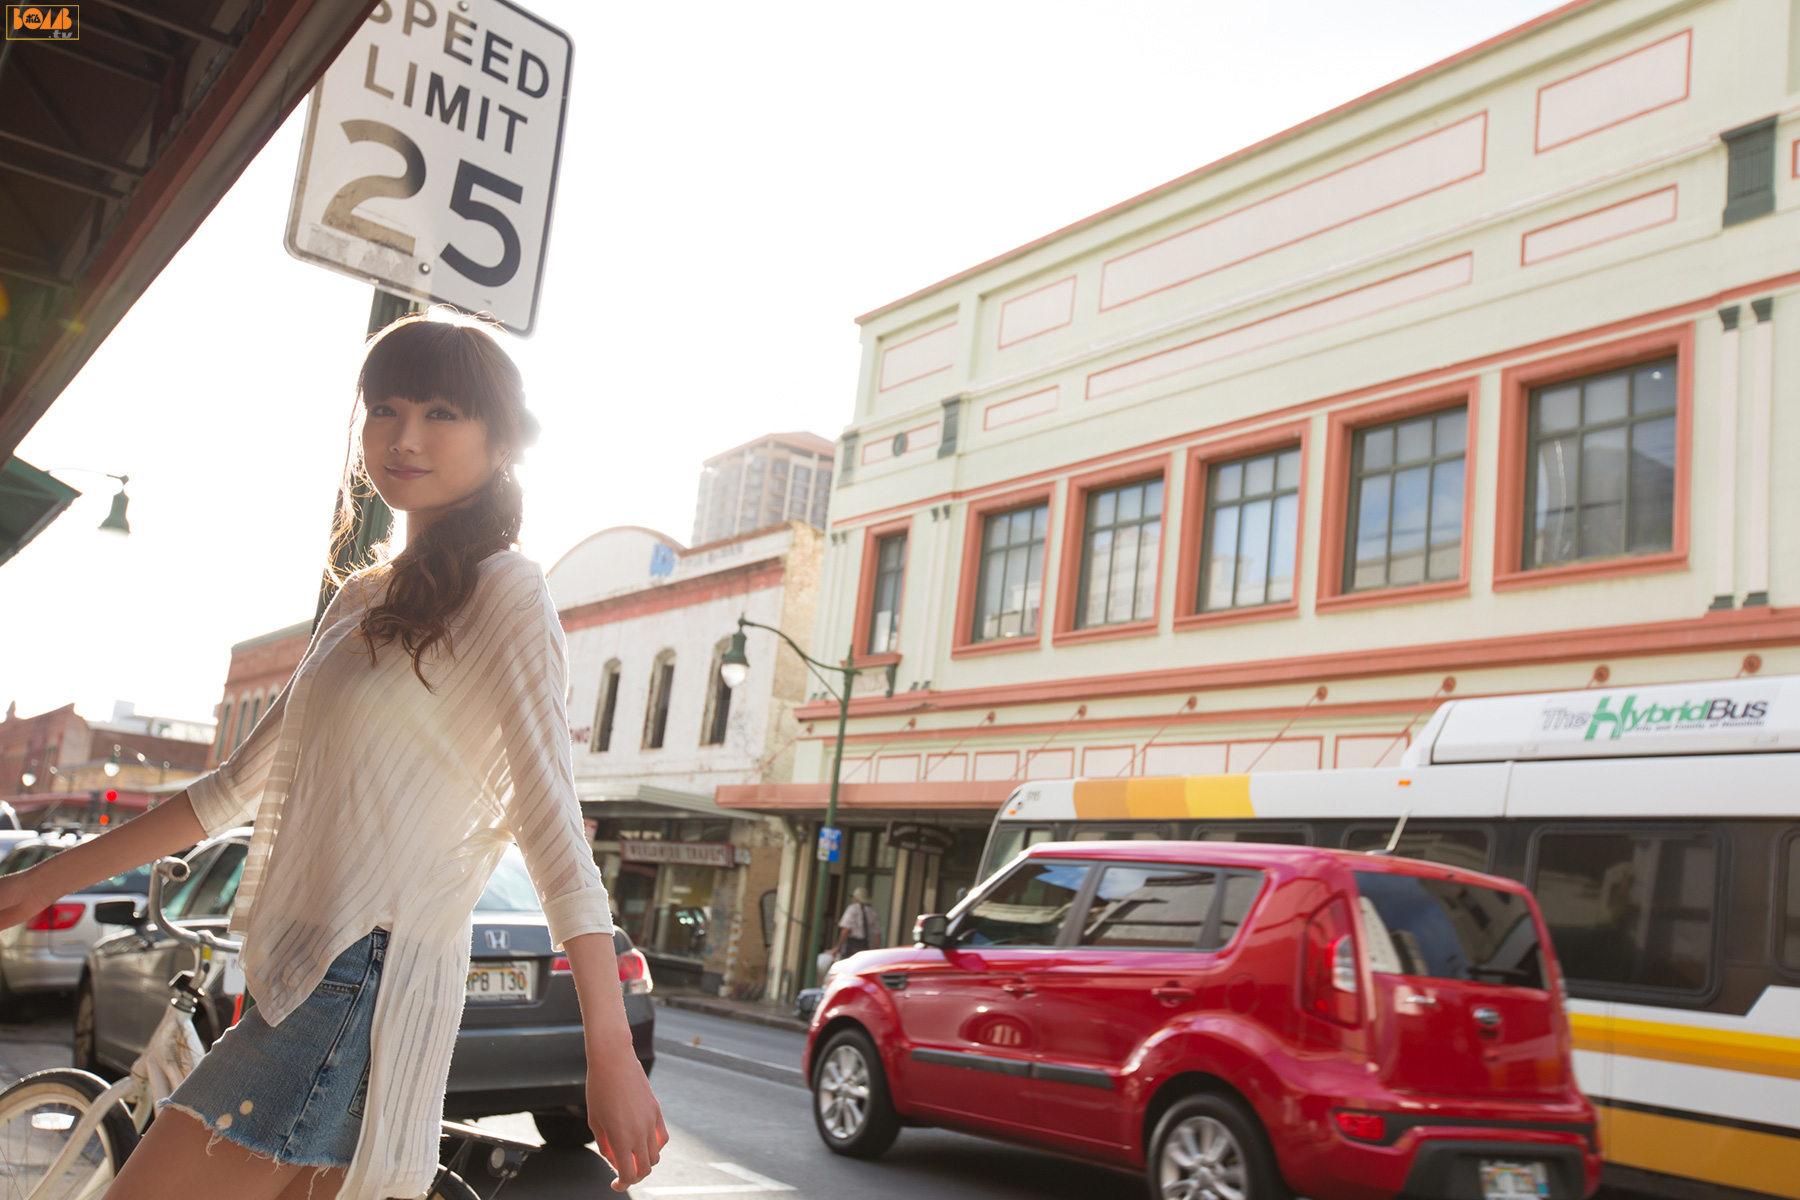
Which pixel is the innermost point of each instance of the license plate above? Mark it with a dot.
(1504, 1179)
(501, 982)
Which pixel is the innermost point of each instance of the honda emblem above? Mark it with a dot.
(498, 939)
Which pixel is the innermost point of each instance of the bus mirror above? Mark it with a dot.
(933, 930)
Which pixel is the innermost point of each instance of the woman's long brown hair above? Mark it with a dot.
(420, 359)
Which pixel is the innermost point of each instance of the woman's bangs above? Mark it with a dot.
(428, 360)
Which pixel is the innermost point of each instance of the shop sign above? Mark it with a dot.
(686, 854)
(831, 844)
(926, 839)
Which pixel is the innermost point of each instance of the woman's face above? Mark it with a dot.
(426, 458)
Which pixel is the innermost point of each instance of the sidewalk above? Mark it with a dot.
(37, 1044)
(754, 1012)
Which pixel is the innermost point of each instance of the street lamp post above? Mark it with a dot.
(734, 668)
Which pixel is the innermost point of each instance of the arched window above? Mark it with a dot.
(243, 724)
(656, 714)
(718, 701)
(608, 707)
(224, 730)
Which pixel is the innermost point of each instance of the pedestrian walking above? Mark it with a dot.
(857, 927)
(423, 731)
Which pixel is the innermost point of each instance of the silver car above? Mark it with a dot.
(45, 954)
(520, 1048)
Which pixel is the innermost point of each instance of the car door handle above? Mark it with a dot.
(1019, 988)
(1172, 994)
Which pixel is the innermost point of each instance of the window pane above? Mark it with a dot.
(1559, 409)
(1149, 907)
(1099, 573)
(1467, 848)
(1606, 399)
(1555, 512)
(1371, 533)
(1412, 442)
(1452, 432)
(1253, 555)
(1221, 567)
(1148, 546)
(1153, 498)
(1040, 522)
(998, 529)
(1034, 588)
(1378, 449)
(1653, 389)
(1104, 506)
(1790, 921)
(1443, 929)
(1131, 504)
(1124, 574)
(1652, 485)
(988, 625)
(1240, 894)
(1230, 483)
(1027, 908)
(1259, 476)
(1411, 494)
(1281, 557)
(1603, 475)
(1020, 523)
(1287, 470)
(1446, 521)
(1630, 909)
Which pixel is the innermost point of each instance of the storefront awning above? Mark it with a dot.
(29, 501)
(986, 794)
(606, 800)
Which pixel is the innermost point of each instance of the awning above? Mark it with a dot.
(987, 795)
(607, 800)
(29, 501)
(115, 146)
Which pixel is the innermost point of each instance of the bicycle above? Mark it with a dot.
(65, 1133)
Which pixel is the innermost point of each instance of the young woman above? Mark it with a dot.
(424, 730)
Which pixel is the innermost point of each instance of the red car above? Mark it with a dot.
(1239, 1022)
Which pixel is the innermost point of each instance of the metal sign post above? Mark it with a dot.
(430, 158)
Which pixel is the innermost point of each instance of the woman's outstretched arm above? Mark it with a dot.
(626, 1120)
(168, 827)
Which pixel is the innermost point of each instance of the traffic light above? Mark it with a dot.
(112, 798)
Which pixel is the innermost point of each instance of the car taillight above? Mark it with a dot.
(57, 916)
(1365, 1127)
(559, 965)
(1328, 984)
(634, 973)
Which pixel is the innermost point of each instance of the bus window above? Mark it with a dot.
(1465, 848)
(1630, 908)
(1009, 840)
(1790, 920)
(1276, 835)
(1133, 834)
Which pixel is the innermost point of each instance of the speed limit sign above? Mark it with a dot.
(430, 158)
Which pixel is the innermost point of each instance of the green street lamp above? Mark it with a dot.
(734, 668)
(115, 520)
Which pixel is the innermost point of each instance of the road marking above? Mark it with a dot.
(752, 1183)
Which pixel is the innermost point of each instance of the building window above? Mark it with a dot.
(1749, 171)
(1119, 548)
(243, 724)
(1009, 590)
(224, 730)
(608, 708)
(656, 714)
(718, 701)
(802, 475)
(1406, 502)
(884, 605)
(1252, 526)
(1600, 472)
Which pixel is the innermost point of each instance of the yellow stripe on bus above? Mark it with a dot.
(1154, 799)
(1739, 1158)
(1725, 1049)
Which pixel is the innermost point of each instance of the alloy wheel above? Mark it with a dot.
(1201, 1160)
(844, 1092)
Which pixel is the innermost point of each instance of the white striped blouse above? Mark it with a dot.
(378, 802)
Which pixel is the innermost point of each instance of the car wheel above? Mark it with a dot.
(563, 1130)
(851, 1106)
(87, 1058)
(1210, 1147)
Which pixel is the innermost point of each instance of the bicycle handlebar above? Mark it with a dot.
(177, 870)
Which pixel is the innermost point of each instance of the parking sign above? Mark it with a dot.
(431, 151)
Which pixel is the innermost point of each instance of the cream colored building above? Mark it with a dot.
(1478, 384)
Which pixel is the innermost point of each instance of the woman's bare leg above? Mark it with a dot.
(174, 1162)
(312, 1184)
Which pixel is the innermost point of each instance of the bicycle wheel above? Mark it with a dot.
(449, 1186)
(36, 1116)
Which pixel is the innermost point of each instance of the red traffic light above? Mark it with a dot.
(112, 794)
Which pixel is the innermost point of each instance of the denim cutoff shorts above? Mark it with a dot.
(294, 1093)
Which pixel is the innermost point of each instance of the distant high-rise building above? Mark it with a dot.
(778, 477)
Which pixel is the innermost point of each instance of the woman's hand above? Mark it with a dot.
(22, 897)
(623, 1113)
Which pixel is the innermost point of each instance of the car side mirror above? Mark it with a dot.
(119, 912)
(933, 930)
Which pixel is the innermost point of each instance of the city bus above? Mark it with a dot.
(1659, 828)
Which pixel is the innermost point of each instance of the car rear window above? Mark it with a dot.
(1446, 929)
(509, 889)
(135, 882)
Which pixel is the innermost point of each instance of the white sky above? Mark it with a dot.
(739, 182)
